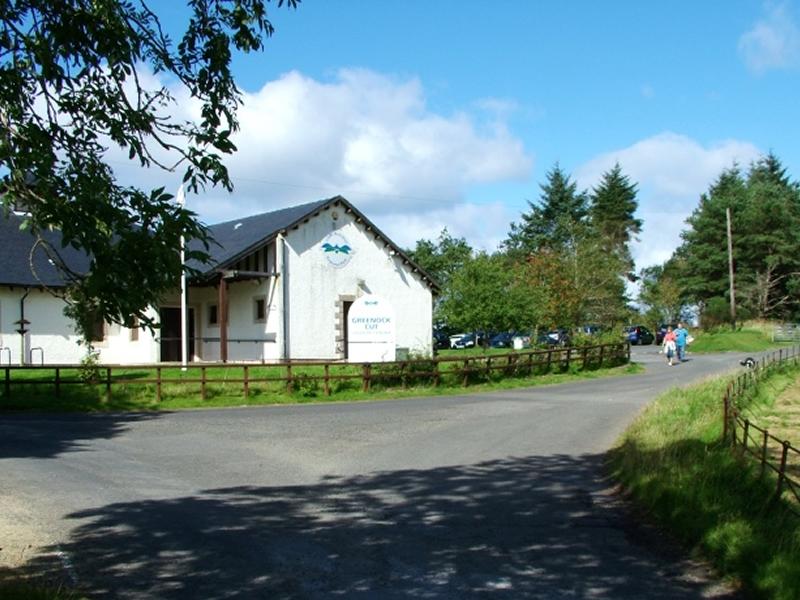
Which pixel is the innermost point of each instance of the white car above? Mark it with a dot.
(455, 338)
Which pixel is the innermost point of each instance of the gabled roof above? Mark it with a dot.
(15, 256)
(233, 241)
(240, 237)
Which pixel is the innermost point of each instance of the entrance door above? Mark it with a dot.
(345, 328)
(171, 334)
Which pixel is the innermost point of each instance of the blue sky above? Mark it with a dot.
(431, 114)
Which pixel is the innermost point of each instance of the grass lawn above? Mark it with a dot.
(673, 463)
(749, 338)
(137, 389)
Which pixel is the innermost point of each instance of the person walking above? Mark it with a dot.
(681, 337)
(669, 346)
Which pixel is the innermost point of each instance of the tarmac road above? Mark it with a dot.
(491, 495)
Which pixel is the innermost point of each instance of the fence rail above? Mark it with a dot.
(304, 374)
(747, 438)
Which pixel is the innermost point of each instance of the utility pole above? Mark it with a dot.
(730, 269)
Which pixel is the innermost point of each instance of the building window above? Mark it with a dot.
(260, 309)
(213, 314)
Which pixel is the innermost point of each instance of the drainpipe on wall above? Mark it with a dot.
(284, 280)
(22, 329)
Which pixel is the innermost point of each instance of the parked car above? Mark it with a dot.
(470, 340)
(555, 337)
(440, 340)
(590, 329)
(638, 335)
(502, 340)
(662, 329)
(454, 338)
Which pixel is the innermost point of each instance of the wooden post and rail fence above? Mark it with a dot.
(747, 438)
(291, 375)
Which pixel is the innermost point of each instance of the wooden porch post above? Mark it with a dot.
(222, 307)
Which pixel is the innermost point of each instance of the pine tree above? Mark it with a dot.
(612, 209)
(704, 264)
(555, 222)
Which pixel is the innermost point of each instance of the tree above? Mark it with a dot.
(485, 294)
(611, 212)
(765, 209)
(703, 253)
(660, 294)
(70, 90)
(556, 221)
(442, 258)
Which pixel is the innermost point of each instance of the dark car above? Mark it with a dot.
(555, 337)
(441, 340)
(470, 340)
(503, 340)
(662, 329)
(638, 335)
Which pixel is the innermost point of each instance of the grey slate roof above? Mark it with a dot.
(15, 253)
(238, 237)
(234, 240)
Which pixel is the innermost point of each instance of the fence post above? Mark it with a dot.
(203, 383)
(158, 384)
(365, 374)
(549, 359)
(585, 354)
(782, 470)
(58, 382)
(602, 349)
(764, 453)
(745, 434)
(488, 367)
(436, 373)
(327, 379)
(8, 383)
(108, 384)
(246, 382)
(726, 400)
(466, 372)
(288, 378)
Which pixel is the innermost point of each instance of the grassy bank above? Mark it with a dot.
(673, 463)
(751, 337)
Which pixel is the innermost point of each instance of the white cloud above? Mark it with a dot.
(773, 42)
(672, 171)
(365, 136)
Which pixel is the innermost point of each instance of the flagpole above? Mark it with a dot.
(184, 353)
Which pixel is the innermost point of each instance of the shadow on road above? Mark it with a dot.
(541, 527)
(45, 436)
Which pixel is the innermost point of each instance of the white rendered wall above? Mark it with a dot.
(259, 340)
(54, 333)
(315, 285)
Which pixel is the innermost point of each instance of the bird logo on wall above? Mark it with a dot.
(344, 249)
(337, 250)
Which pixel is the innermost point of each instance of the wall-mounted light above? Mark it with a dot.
(334, 215)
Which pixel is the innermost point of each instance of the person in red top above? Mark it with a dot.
(669, 346)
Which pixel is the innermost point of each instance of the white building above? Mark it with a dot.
(281, 285)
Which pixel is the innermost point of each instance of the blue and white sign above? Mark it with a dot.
(337, 249)
(371, 335)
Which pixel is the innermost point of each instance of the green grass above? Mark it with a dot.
(675, 467)
(136, 390)
(727, 340)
